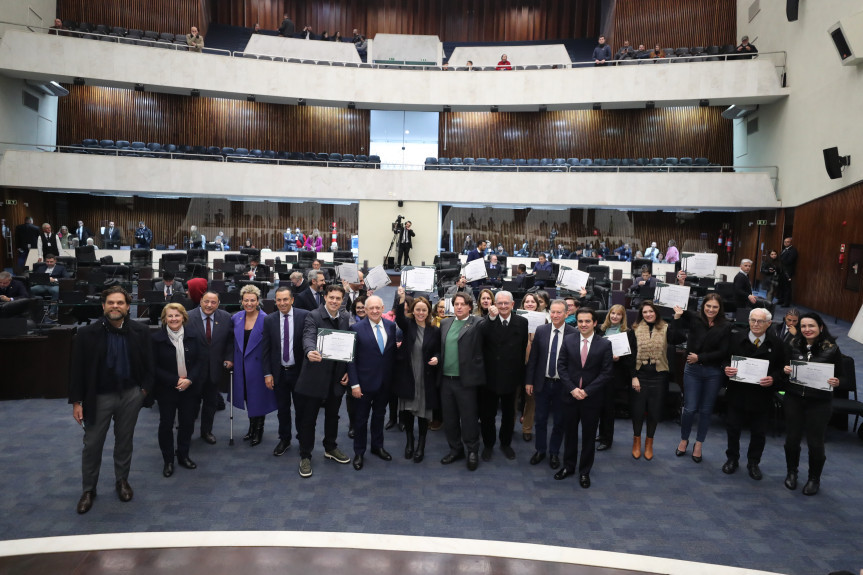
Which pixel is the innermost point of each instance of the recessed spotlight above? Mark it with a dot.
(250, 98)
(196, 93)
(650, 104)
(597, 106)
(139, 87)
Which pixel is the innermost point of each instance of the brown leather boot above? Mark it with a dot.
(636, 447)
(648, 448)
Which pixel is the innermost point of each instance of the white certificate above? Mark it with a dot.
(349, 273)
(619, 344)
(418, 278)
(749, 370)
(701, 264)
(534, 319)
(573, 280)
(810, 374)
(448, 309)
(668, 295)
(475, 270)
(377, 278)
(336, 345)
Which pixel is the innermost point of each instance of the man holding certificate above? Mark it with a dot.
(370, 376)
(754, 374)
(321, 380)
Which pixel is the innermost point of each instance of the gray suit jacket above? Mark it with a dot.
(471, 365)
(177, 287)
(221, 347)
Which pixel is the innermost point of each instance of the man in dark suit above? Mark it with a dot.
(788, 257)
(494, 271)
(112, 238)
(282, 358)
(287, 28)
(370, 378)
(112, 372)
(749, 401)
(504, 344)
(462, 373)
(786, 330)
(477, 253)
(405, 244)
(14, 299)
(83, 233)
(743, 295)
(213, 326)
(646, 281)
(312, 298)
(26, 236)
(586, 367)
(256, 271)
(55, 272)
(170, 287)
(321, 381)
(543, 265)
(143, 237)
(543, 382)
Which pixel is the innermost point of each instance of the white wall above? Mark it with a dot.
(38, 13)
(22, 125)
(375, 225)
(824, 108)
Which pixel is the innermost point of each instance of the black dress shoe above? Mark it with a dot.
(390, 424)
(382, 453)
(755, 472)
(563, 473)
(791, 480)
(86, 502)
(486, 453)
(584, 481)
(452, 456)
(811, 487)
(730, 466)
(184, 461)
(554, 461)
(358, 462)
(124, 490)
(472, 461)
(168, 470)
(209, 438)
(527, 436)
(402, 427)
(282, 447)
(537, 458)
(508, 451)
(603, 446)
(351, 432)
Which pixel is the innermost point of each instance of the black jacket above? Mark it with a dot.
(825, 352)
(165, 362)
(404, 381)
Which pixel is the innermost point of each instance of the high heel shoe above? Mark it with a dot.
(696, 458)
(678, 451)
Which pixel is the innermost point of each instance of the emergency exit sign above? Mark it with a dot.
(762, 222)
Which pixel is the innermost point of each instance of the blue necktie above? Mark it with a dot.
(380, 337)
(552, 358)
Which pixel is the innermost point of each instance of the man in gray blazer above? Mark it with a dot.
(213, 326)
(463, 372)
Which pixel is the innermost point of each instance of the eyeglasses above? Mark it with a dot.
(759, 321)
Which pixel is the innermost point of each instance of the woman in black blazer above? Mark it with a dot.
(417, 371)
(179, 357)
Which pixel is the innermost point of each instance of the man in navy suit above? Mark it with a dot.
(494, 271)
(214, 327)
(585, 365)
(543, 265)
(369, 376)
(543, 382)
(55, 273)
(477, 253)
(282, 358)
(312, 298)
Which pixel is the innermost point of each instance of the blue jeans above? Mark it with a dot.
(700, 386)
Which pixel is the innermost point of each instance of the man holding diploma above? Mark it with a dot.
(748, 401)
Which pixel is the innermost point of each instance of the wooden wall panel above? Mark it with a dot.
(661, 132)
(116, 114)
(673, 23)
(819, 228)
(451, 20)
(175, 16)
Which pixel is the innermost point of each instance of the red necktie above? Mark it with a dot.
(209, 330)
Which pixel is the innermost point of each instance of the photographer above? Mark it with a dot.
(405, 234)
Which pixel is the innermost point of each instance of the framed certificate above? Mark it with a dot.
(337, 345)
(669, 295)
(377, 278)
(573, 280)
(811, 374)
(701, 264)
(418, 278)
(475, 270)
(749, 370)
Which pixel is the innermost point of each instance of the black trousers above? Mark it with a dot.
(403, 255)
(606, 415)
(583, 412)
(810, 416)
(209, 403)
(488, 405)
(307, 415)
(751, 408)
(182, 405)
(650, 400)
(460, 414)
(284, 389)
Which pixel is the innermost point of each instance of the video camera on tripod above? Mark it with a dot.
(397, 226)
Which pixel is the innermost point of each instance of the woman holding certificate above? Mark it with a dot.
(809, 397)
(648, 342)
(706, 350)
(415, 384)
(614, 325)
(249, 391)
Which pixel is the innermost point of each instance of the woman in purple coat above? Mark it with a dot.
(249, 391)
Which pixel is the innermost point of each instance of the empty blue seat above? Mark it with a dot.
(431, 164)
(599, 165)
(269, 154)
(482, 164)
(322, 157)
(310, 159)
(375, 162)
(686, 164)
(520, 164)
(532, 165)
(507, 165)
(469, 162)
(671, 163)
(457, 164)
(545, 164)
(700, 164)
(106, 143)
(228, 151)
(494, 164)
(584, 165)
(347, 161)
(335, 158)
(655, 164)
(612, 164)
(361, 161)
(571, 162)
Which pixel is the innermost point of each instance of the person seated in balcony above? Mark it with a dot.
(337, 37)
(325, 36)
(500, 251)
(624, 252)
(356, 36)
(625, 52)
(314, 242)
(195, 41)
(308, 33)
(602, 52)
(220, 243)
(745, 49)
(504, 63)
(657, 52)
(91, 243)
(290, 241)
(469, 65)
(642, 53)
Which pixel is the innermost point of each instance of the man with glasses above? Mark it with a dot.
(751, 402)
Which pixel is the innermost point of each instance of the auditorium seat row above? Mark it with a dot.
(572, 164)
(244, 155)
(122, 35)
